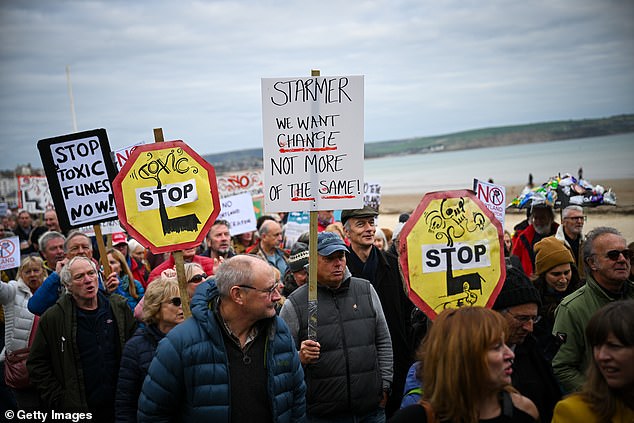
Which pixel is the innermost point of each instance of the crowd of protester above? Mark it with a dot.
(114, 342)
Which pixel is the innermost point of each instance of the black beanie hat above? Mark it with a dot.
(517, 290)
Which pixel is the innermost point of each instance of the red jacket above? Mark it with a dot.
(206, 263)
(523, 247)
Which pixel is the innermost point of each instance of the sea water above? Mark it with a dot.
(607, 157)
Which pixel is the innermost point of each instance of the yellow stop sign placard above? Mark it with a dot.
(451, 253)
(167, 196)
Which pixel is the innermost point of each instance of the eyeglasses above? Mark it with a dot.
(198, 278)
(577, 218)
(268, 291)
(175, 301)
(523, 319)
(615, 254)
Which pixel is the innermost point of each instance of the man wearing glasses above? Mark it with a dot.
(607, 263)
(518, 302)
(234, 360)
(571, 234)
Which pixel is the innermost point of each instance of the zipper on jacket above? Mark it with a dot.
(345, 350)
(63, 341)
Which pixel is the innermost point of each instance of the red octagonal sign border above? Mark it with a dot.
(416, 216)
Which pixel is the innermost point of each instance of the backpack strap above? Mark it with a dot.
(507, 404)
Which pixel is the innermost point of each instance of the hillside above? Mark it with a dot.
(478, 138)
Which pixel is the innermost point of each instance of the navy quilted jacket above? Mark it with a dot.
(135, 360)
(188, 379)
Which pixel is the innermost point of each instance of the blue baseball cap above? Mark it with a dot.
(329, 242)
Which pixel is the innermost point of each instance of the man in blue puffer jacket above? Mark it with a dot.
(233, 361)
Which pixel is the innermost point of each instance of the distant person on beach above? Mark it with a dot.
(541, 223)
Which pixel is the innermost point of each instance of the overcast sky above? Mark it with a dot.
(193, 67)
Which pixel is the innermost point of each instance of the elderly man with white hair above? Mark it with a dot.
(570, 232)
(74, 359)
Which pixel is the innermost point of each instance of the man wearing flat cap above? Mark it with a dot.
(381, 269)
(348, 367)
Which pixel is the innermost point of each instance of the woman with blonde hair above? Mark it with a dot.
(131, 288)
(467, 371)
(608, 393)
(162, 311)
(20, 326)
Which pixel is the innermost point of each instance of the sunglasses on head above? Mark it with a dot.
(197, 278)
(614, 254)
(175, 301)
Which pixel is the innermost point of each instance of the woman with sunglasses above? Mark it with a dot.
(608, 393)
(131, 288)
(162, 311)
(466, 372)
(194, 275)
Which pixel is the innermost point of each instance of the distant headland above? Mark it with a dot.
(477, 138)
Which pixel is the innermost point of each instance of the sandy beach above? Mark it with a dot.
(620, 216)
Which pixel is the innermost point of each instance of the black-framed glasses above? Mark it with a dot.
(523, 319)
(577, 218)
(198, 278)
(175, 301)
(268, 291)
(614, 254)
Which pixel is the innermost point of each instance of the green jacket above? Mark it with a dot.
(571, 317)
(54, 365)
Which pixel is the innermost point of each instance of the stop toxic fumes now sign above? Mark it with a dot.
(79, 171)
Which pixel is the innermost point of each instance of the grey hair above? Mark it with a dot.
(190, 268)
(380, 234)
(565, 212)
(266, 227)
(588, 246)
(72, 235)
(134, 244)
(65, 274)
(49, 236)
(236, 270)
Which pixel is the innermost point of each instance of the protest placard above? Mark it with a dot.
(122, 155)
(79, 170)
(33, 194)
(9, 253)
(297, 224)
(493, 196)
(313, 143)
(372, 195)
(238, 211)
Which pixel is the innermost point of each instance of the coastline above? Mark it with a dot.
(620, 216)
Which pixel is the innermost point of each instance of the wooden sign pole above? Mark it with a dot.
(102, 252)
(312, 266)
(178, 255)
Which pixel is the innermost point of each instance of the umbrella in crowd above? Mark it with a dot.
(563, 190)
